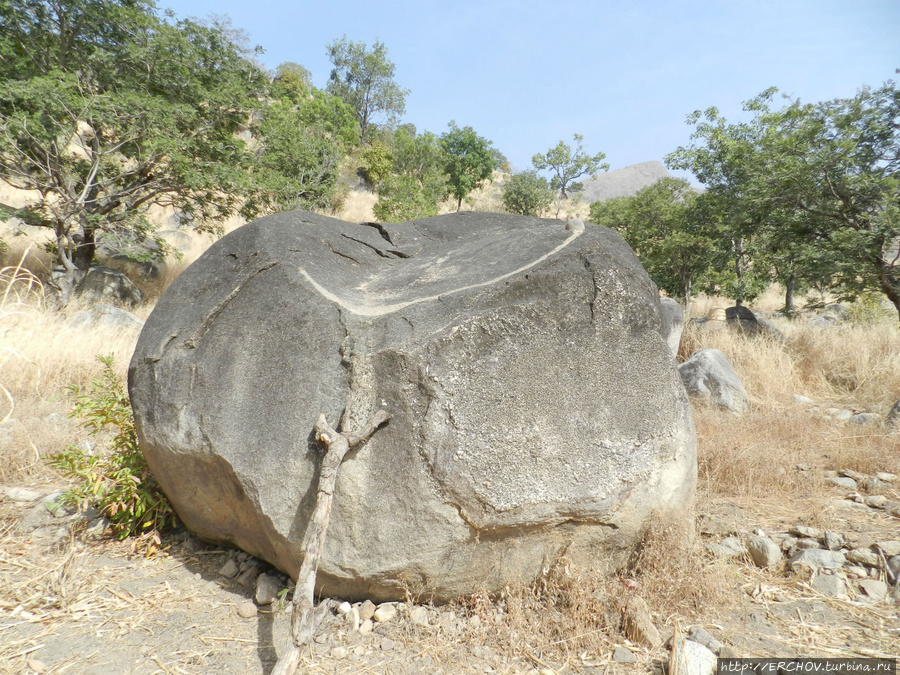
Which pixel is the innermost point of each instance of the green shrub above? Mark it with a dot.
(116, 481)
(527, 194)
(377, 161)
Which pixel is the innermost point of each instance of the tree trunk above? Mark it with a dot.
(789, 294)
(85, 247)
(305, 618)
(459, 205)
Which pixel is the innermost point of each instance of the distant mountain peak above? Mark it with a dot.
(623, 182)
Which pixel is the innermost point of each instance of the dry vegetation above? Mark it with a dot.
(748, 471)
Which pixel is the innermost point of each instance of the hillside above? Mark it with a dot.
(623, 182)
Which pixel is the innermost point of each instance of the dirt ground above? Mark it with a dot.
(82, 604)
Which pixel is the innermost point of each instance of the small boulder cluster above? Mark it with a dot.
(847, 565)
(852, 415)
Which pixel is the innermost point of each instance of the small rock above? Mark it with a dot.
(843, 415)
(817, 558)
(267, 587)
(624, 655)
(834, 541)
(474, 621)
(802, 399)
(804, 544)
(894, 566)
(703, 637)
(353, 618)
(387, 645)
(247, 610)
(638, 623)
(344, 608)
(876, 501)
(713, 526)
(847, 504)
(229, 569)
(366, 610)
(339, 652)
(886, 477)
(20, 494)
(829, 584)
(692, 658)
(844, 482)
(419, 616)
(874, 589)
(366, 626)
(35, 665)
(850, 473)
(729, 547)
(865, 418)
(788, 543)
(248, 576)
(385, 612)
(857, 571)
(864, 556)
(807, 532)
(764, 551)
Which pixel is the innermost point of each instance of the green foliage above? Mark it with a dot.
(416, 185)
(292, 81)
(469, 160)
(677, 247)
(527, 194)
(364, 79)
(296, 166)
(107, 109)
(116, 482)
(377, 161)
(815, 188)
(566, 165)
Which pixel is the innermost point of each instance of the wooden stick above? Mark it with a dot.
(304, 617)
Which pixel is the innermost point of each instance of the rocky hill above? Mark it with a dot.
(623, 182)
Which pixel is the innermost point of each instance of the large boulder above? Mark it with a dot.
(536, 410)
(673, 323)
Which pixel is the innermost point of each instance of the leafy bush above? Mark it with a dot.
(527, 194)
(118, 482)
(377, 161)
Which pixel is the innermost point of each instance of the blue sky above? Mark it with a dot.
(623, 74)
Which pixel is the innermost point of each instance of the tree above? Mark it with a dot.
(295, 164)
(469, 161)
(364, 80)
(106, 109)
(566, 165)
(416, 183)
(527, 194)
(676, 247)
(816, 185)
(292, 81)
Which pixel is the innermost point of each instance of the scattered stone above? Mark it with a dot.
(817, 558)
(714, 526)
(865, 419)
(638, 623)
(857, 571)
(874, 589)
(248, 576)
(804, 544)
(829, 584)
(230, 569)
(691, 658)
(366, 610)
(106, 316)
(764, 551)
(708, 374)
(802, 399)
(842, 481)
(387, 645)
(385, 612)
(847, 504)
(344, 608)
(788, 544)
(340, 652)
(419, 616)
(834, 541)
(850, 473)
(729, 547)
(624, 655)
(804, 531)
(20, 494)
(366, 626)
(267, 587)
(876, 501)
(886, 477)
(844, 415)
(864, 556)
(894, 566)
(353, 618)
(37, 666)
(703, 637)
(247, 610)
(474, 621)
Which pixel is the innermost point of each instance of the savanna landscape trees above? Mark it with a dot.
(566, 165)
